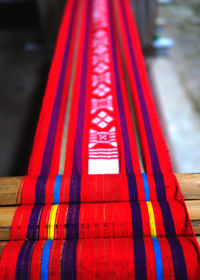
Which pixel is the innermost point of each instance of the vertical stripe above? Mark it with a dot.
(135, 126)
(167, 218)
(178, 259)
(129, 95)
(146, 186)
(72, 229)
(151, 219)
(77, 160)
(68, 107)
(133, 195)
(52, 220)
(68, 261)
(34, 223)
(140, 259)
(46, 163)
(176, 249)
(24, 260)
(139, 249)
(158, 259)
(45, 260)
(138, 243)
(40, 189)
(136, 219)
(70, 247)
(56, 195)
(152, 149)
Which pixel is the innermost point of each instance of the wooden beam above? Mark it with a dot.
(190, 185)
(9, 187)
(6, 217)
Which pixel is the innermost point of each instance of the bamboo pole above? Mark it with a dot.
(9, 188)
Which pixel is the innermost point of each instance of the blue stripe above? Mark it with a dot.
(146, 186)
(56, 195)
(158, 258)
(45, 260)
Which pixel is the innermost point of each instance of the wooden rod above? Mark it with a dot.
(9, 187)
(190, 185)
(6, 218)
(7, 214)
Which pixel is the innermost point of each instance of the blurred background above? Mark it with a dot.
(170, 37)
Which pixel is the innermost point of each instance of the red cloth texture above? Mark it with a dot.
(100, 200)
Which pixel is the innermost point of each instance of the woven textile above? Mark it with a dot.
(100, 200)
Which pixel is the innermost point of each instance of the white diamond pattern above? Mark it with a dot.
(100, 49)
(100, 33)
(102, 114)
(102, 119)
(96, 120)
(102, 124)
(101, 67)
(96, 42)
(108, 119)
(101, 90)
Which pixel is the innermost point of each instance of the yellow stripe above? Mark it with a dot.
(52, 219)
(151, 219)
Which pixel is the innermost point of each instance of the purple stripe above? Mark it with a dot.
(133, 195)
(139, 249)
(46, 163)
(68, 262)
(176, 249)
(136, 219)
(178, 259)
(77, 160)
(132, 185)
(34, 223)
(167, 218)
(72, 225)
(160, 187)
(75, 188)
(139, 259)
(70, 246)
(40, 189)
(75, 182)
(24, 261)
(138, 242)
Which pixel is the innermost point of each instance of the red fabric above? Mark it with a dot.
(98, 117)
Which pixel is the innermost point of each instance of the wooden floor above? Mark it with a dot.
(9, 188)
